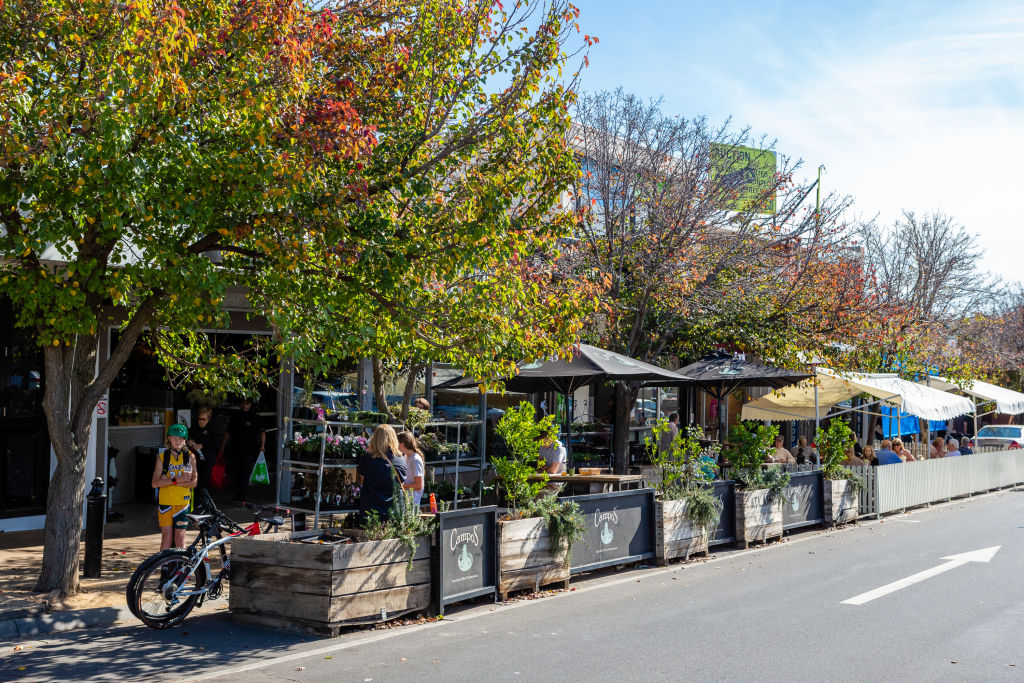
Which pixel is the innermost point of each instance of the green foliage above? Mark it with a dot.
(520, 429)
(404, 522)
(702, 507)
(833, 442)
(751, 443)
(369, 417)
(416, 420)
(685, 465)
(563, 519)
(687, 468)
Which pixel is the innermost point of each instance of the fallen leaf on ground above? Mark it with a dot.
(300, 668)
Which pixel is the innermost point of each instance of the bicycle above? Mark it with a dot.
(167, 586)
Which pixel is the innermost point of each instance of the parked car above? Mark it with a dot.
(330, 400)
(1000, 436)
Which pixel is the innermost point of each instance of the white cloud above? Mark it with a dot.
(931, 122)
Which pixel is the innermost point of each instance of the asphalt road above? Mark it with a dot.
(771, 614)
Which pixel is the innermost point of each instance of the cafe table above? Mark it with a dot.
(582, 484)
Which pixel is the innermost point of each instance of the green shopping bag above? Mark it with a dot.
(260, 475)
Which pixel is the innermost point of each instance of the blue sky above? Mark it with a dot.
(916, 105)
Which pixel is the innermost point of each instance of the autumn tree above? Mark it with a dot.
(923, 272)
(343, 161)
(693, 257)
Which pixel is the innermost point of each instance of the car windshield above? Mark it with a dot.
(1000, 432)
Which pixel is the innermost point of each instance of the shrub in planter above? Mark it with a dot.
(323, 580)
(841, 484)
(685, 510)
(536, 534)
(759, 489)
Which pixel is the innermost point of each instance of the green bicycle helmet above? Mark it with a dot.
(178, 430)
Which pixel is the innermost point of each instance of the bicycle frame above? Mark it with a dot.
(203, 555)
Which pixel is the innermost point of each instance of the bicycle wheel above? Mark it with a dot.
(154, 591)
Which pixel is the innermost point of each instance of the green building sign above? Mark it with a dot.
(748, 171)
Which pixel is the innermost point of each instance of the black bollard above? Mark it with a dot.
(298, 521)
(95, 516)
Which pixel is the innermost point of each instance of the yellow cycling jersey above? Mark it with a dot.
(177, 464)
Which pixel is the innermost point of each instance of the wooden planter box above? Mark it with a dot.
(674, 534)
(758, 517)
(525, 559)
(841, 502)
(322, 588)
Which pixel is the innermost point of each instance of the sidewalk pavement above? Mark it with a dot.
(101, 602)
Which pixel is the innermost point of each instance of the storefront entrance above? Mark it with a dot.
(24, 441)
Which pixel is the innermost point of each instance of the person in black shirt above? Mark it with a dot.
(243, 442)
(204, 441)
(382, 473)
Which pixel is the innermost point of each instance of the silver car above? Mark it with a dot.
(1000, 436)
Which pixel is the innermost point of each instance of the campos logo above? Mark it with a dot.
(601, 519)
(465, 558)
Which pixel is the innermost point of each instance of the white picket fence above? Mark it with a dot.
(897, 487)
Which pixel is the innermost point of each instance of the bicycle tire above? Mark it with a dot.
(144, 596)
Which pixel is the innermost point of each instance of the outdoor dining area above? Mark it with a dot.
(876, 405)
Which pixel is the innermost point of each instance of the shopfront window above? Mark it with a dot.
(24, 440)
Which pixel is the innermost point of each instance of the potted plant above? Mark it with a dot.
(841, 485)
(759, 489)
(685, 510)
(536, 532)
(323, 580)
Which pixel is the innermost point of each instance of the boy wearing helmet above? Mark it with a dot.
(175, 476)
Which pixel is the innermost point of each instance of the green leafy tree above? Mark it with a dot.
(345, 167)
(519, 429)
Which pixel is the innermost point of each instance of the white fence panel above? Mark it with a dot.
(895, 487)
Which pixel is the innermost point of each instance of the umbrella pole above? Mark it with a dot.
(568, 431)
(816, 424)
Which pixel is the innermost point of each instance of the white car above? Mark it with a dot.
(1000, 436)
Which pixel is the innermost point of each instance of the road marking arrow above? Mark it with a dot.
(954, 561)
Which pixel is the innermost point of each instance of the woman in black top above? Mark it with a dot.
(381, 474)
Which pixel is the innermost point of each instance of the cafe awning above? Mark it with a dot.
(813, 398)
(1008, 402)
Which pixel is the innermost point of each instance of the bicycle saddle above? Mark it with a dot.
(274, 521)
(198, 518)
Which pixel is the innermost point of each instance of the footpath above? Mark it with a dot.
(101, 602)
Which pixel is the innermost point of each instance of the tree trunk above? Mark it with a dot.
(410, 384)
(378, 388)
(625, 397)
(68, 372)
(74, 383)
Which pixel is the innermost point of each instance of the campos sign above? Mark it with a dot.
(745, 177)
(620, 528)
(466, 555)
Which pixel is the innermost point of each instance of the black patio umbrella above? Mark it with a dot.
(721, 373)
(589, 364)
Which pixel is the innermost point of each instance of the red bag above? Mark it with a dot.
(219, 474)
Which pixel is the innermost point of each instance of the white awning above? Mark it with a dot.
(798, 402)
(1008, 402)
